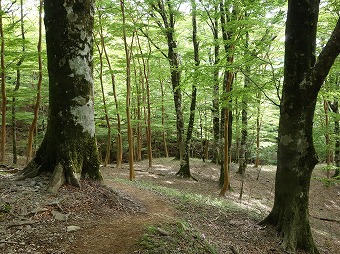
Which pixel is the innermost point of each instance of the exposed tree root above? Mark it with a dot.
(58, 179)
(60, 176)
(30, 171)
(181, 174)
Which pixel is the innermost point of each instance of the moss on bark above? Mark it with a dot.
(69, 149)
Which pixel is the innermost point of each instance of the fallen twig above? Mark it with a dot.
(233, 250)
(9, 242)
(326, 219)
(20, 223)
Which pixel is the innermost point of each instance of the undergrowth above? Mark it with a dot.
(183, 197)
(179, 237)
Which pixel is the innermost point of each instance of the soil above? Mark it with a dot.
(116, 216)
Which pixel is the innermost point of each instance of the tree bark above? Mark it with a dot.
(128, 54)
(3, 90)
(258, 129)
(166, 152)
(37, 103)
(327, 138)
(17, 85)
(69, 146)
(335, 108)
(226, 115)
(303, 77)
(146, 73)
(185, 164)
(243, 158)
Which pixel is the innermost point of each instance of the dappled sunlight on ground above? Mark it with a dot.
(255, 195)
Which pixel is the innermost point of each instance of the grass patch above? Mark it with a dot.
(179, 237)
(184, 198)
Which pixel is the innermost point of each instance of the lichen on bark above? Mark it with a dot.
(69, 148)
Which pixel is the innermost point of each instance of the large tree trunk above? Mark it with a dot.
(69, 145)
(296, 154)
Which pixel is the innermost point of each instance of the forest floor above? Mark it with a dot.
(157, 213)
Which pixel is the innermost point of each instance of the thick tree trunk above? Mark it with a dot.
(69, 145)
(296, 154)
(296, 161)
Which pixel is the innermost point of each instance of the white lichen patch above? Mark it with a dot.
(81, 67)
(84, 116)
(286, 140)
(62, 62)
(82, 35)
(71, 16)
(80, 100)
(86, 50)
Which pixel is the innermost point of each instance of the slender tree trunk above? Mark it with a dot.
(163, 121)
(216, 92)
(258, 130)
(335, 108)
(3, 89)
(327, 138)
(37, 103)
(185, 166)
(303, 77)
(140, 101)
(107, 119)
(69, 146)
(243, 159)
(146, 72)
(167, 12)
(148, 126)
(226, 178)
(128, 54)
(119, 140)
(228, 80)
(17, 85)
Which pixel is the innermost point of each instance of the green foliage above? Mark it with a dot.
(5, 208)
(327, 182)
(258, 56)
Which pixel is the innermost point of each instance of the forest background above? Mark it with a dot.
(225, 87)
(250, 48)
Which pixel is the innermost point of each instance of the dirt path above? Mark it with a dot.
(120, 234)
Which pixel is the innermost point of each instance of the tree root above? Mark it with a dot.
(180, 174)
(30, 171)
(61, 176)
(58, 179)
